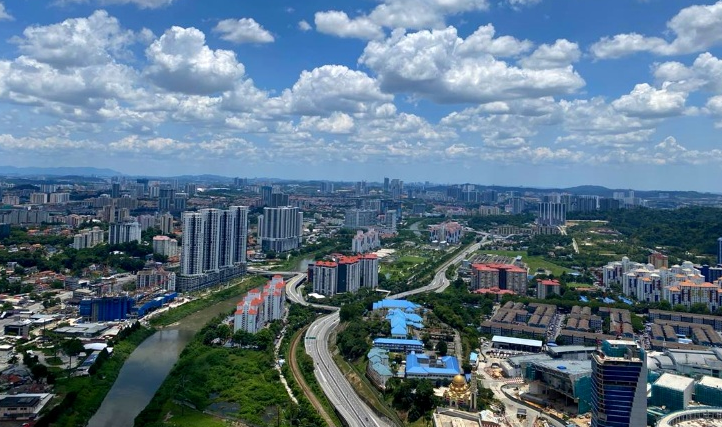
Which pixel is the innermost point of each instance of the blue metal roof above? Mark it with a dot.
(397, 341)
(395, 303)
(413, 365)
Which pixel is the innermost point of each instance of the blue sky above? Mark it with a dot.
(506, 92)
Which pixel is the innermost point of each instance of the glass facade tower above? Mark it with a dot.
(619, 385)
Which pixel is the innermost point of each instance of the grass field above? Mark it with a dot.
(580, 285)
(410, 259)
(534, 262)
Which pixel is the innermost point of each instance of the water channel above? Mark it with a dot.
(146, 368)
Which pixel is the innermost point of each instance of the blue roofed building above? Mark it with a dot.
(419, 365)
(378, 368)
(401, 322)
(398, 345)
(388, 304)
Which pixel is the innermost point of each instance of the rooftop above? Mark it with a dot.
(570, 367)
(712, 382)
(518, 341)
(397, 341)
(561, 349)
(674, 382)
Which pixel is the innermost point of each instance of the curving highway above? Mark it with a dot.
(334, 384)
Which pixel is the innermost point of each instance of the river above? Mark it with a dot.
(146, 368)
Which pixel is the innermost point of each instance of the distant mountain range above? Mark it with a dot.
(59, 171)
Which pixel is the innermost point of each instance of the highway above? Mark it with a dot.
(335, 386)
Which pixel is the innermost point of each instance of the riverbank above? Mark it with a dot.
(212, 381)
(237, 288)
(82, 396)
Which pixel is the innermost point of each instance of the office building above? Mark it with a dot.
(165, 246)
(386, 185)
(115, 190)
(359, 218)
(551, 213)
(619, 385)
(280, 229)
(364, 242)
(719, 251)
(123, 232)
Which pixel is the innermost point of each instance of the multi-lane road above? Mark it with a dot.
(339, 391)
(334, 384)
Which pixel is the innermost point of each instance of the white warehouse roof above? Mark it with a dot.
(517, 341)
(674, 382)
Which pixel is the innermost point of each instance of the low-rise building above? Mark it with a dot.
(23, 406)
(378, 368)
(399, 345)
(672, 391)
(708, 391)
(422, 366)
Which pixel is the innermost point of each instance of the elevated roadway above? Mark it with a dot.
(334, 384)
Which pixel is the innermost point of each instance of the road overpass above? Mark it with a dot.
(332, 381)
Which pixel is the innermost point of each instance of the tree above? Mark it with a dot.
(264, 339)
(243, 338)
(442, 348)
(224, 332)
(39, 371)
(7, 306)
(72, 347)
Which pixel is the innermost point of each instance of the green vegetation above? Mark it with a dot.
(240, 383)
(535, 263)
(86, 393)
(413, 397)
(690, 229)
(459, 309)
(188, 417)
(175, 314)
(485, 223)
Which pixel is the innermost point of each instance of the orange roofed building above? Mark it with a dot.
(261, 306)
(502, 276)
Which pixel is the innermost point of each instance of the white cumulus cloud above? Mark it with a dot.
(4, 15)
(338, 24)
(695, 29)
(430, 64)
(181, 61)
(244, 30)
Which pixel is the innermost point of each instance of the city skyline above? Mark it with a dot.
(511, 92)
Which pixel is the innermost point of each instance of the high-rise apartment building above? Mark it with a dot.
(552, 213)
(359, 218)
(212, 239)
(166, 246)
(124, 232)
(280, 229)
(619, 385)
(88, 238)
(719, 250)
(164, 223)
(344, 274)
